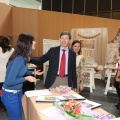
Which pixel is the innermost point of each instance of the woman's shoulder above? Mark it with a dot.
(19, 59)
(9, 51)
(80, 57)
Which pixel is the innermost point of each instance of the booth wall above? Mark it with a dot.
(51, 24)
(5, 20)
(25, 21)
(48, 24)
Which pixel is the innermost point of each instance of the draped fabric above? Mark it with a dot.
(80, 69)
(100, 45)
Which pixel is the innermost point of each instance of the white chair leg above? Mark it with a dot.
(91, 83)
(93, 80)
(107, 84)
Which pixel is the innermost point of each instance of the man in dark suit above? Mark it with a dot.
(54, 55)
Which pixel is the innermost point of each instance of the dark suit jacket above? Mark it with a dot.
(53, 56)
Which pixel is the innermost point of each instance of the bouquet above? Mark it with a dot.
(73, 110)
(63, 89)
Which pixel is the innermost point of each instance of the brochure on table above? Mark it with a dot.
(53, 113)
(37, 92)
(59, 98)
(90, 104)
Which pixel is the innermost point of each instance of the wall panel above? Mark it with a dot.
(65, 21)
(5, 20)
(17, 16)
(25, 21)
(1, 18)
(45, 27)
(48, 24)
(57, 26)
(30, 25)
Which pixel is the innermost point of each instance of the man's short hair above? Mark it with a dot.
(66, 33)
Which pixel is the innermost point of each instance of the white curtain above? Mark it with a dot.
(99, 53)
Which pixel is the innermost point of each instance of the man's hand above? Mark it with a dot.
(81, 87)
(37, 72)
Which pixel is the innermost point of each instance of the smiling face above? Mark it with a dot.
(76, 47)
(64, 41)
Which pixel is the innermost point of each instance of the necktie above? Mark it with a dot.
(62, 64)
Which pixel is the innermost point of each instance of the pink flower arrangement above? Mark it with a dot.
(72, 108)
(63, 89)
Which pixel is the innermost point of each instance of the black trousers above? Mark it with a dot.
(1, 84)
(28, 86)
(117, 86)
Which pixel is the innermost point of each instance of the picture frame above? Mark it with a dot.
(88, 44)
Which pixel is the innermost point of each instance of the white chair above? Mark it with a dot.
(98, 75)
(109, 73)
(91, 78)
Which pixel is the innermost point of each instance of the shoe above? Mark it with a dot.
(118, 104)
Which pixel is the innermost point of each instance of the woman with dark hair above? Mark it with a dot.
(116, 83)
(17, 68)
(5, 44)
(76, 47)
(5, 52)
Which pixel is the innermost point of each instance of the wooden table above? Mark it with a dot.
(31, 108)
(32, 66)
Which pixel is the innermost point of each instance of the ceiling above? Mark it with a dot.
(34, 4)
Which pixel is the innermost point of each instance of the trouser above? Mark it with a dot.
(13, 104)
(60, 81)
(28, 86)
(117, 86)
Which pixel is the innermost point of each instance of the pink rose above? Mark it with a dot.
(77, 109)
(72, 102)
(68, 107)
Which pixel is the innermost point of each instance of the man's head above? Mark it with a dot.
(65, 37)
